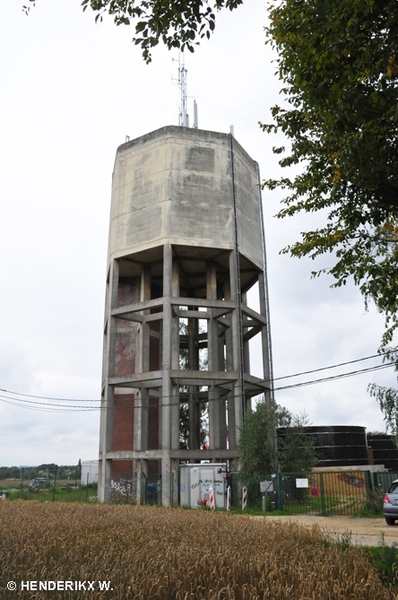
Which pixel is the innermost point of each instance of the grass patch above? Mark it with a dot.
(60, 494)
(385, 559)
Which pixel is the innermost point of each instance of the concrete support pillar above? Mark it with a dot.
(141, 420)
(140, 473)
(165, 413)
(174, 359)
(213, 352)
(236, 340)
(265, 342)
(246, 350)
(142, 366)
(107, 404)
(175, 474)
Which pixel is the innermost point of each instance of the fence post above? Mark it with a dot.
(55, 483)
(323, 505)
(368, 484)
(279, 494)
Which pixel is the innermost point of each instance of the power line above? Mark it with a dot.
(46, 407)
(333, 377)
(342, 364)
(53, 407)
(349, 362)
(46, 397)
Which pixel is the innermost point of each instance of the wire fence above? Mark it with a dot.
(323, 493)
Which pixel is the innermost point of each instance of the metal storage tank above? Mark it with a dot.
(186, 244)
(384, 450)
(338, 445)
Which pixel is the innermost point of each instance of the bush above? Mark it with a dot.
(373, 503)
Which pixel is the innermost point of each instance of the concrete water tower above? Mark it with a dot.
(186, 244)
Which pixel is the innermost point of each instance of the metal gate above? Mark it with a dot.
(323, 493)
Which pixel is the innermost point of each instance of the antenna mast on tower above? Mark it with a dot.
(183, 117)
(182, 82)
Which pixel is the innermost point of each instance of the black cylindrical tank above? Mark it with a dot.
(385, 451)
(338, 445)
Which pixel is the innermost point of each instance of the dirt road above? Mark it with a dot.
(367, 532)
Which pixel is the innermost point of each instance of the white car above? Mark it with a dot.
(390, 503)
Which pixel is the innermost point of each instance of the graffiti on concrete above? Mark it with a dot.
(122, 487)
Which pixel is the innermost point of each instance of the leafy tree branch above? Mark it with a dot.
(338, 63)
(178, 24)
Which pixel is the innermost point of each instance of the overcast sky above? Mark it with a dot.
(71, 93)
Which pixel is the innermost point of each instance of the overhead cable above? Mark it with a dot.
(34, 404)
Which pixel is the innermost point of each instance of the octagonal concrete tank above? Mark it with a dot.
(177, 185)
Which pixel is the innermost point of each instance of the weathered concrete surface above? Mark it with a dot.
(176, 185)
(366, 532)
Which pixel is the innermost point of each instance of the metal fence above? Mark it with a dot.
(325, 493)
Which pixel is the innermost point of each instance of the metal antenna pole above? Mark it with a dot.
(183, 117)
(182, 82)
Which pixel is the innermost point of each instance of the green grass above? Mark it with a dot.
(61, 493)
(385, 558)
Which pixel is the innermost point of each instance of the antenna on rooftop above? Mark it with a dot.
(182, 83)
(183, 117)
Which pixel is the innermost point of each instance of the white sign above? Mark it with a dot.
(302, 483)
(266, 486)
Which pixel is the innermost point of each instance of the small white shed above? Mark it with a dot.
(89, 472)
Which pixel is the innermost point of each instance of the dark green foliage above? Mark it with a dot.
(9, 473)
(338, 63)
(258, 445)
(257, 442)
(28, 473)
(388, 397)
(296, 448)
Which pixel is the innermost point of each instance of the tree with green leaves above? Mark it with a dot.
(338, 63)
(257, 441)
(263, 455)
(296, 448)
(388, 397)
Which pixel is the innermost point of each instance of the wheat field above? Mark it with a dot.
(158, 553)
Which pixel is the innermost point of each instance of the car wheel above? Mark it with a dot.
(390, 521)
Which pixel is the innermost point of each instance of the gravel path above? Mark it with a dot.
(367, 532)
